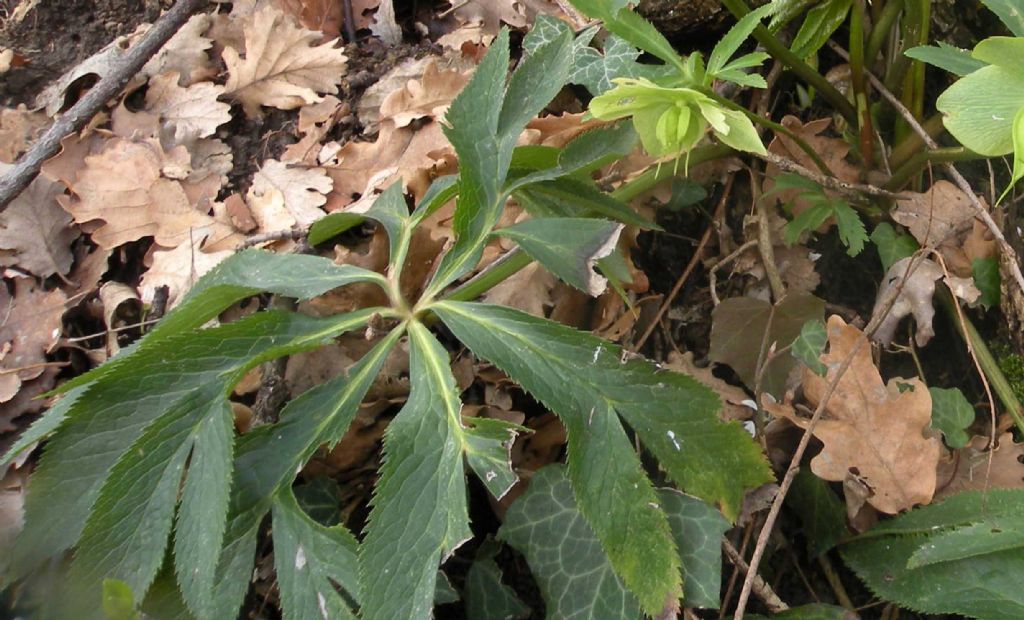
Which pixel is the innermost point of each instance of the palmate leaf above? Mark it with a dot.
(268, 457)
(419, 513)
(587, 382)
(158, 404)
(484, 132)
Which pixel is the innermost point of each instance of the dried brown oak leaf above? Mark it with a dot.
(188, 113)
(302, 193)
(36, 230)
(30, 328)
(968, 469)
(943, 218)
(178, 269)
(186, 53)
(428, 96)
(282, 67)
(134, 188)
(19, 127)
(870, 430)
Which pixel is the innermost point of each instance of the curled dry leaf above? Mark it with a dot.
(943, 218)
(178, 269)
(425, 96)
(36, 230)
(283, 196)
(185, 53)
(134, 188)
(914, 297)
(30, 328)
(876, 432)
(282, 67)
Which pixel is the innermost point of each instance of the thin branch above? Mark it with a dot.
(961, 182)
(21, 175)
(275, 235)
(761, 588)
(826, 181)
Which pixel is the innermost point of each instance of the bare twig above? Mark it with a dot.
(19, 177)
(275, 235)
(951, 170)
(805, 440)
(832, 183)
(761, 588)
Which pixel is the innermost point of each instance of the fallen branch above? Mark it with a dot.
(72, 121)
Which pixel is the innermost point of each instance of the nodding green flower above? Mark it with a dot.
(673, 120)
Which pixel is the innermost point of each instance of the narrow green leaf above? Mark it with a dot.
(987, 279)
(487, 598)
(310, 559)
(126, 534)
(818, 26)
(331, 225)
(671, 413)
(565, 556)
(977, 539)
(389, 210)
(732, 40)
(1010, 12)
(203, 511)
(115, 410)
(892, 246)
(570, 197)
(981, 586)
(741, 135)
(951, 414)
(268, 457)
(821, 512)
(946, 57)
(809, 344)
(642, 34)
(419, 506)
(1018, 152)
(44, 426)
(535, 82)
(814, 611)
(568, 248)
(697, 529)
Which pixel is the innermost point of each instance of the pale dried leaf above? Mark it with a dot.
(913, 298)
(185, 53)
(19, 127)
(873, 430)
(528, 290)
(126, 187)
(941, 213)
(190, 113)
(974, 467)
(282, 67)
(30, 328)
(427, 96)
(302, 194)
(178, 269)
(37, 230)
(384, 25)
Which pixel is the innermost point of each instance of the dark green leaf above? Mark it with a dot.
(565, 556)
(986, 278)
(488, 443)
(818, 26)
(891, 246)
(419, 505)
(487, 598)
(822, 513)
(946, 57)
(983, 586)
(619, 504)
(45, 425)
(568, 248)
(310, 559)
(732, 40)
(851, 228)
(809, 344)
(1010, 12)
(951, 414)
(320, 498)
(571, 197)
(697, 529)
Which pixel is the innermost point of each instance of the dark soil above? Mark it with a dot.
(55, 35)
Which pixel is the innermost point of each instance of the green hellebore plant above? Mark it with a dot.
(673, 120)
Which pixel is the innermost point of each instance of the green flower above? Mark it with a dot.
(673, 120)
